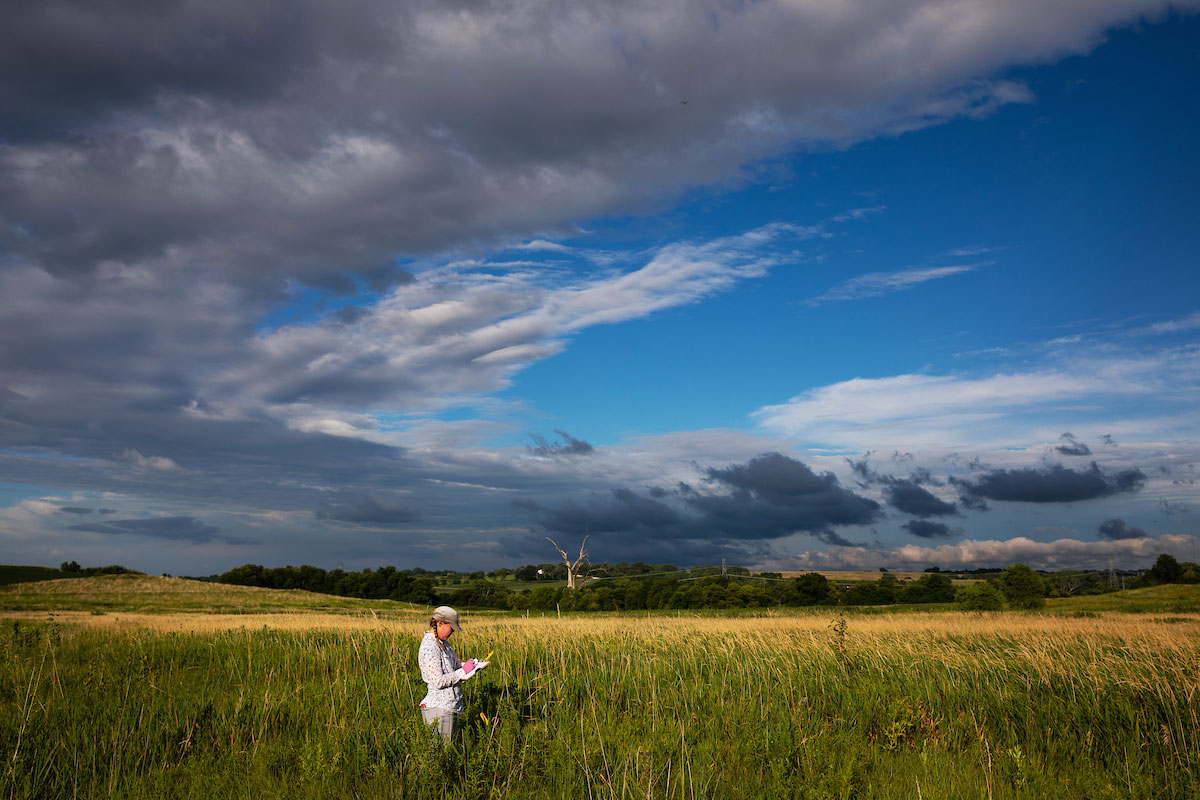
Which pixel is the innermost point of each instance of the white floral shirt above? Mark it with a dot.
(438, 669)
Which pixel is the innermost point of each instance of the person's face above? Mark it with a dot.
(444, 630)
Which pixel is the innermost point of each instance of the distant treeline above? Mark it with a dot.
(709, 591)
(639, 586)
(71, 569)
(385, 583)
(1018, 586)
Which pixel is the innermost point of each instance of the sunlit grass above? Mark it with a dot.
(306, 701)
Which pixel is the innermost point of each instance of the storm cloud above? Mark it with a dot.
(1117, 529)
(301, 133)
(367, 509)
(171, 528)
(1052, 484)
(928, 530)
(911, 498)
(734, 509)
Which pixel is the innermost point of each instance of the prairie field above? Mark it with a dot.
(149, 695)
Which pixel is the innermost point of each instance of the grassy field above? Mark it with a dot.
(143, 692)
(148, 594)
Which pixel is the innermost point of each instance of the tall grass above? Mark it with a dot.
(932, 706)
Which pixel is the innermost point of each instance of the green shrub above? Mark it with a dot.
(1022, 587)
(981, 596)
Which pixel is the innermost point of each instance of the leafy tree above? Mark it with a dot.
(932, 588)
(526, 573)
(481, 593)
(1023, 587)
(1166, 570)
(871, 593)
(982, 596)
(70, 567)
(810, 589)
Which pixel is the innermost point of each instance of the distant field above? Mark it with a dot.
(157, 595)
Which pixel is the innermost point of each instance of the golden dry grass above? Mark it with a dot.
(772, 631)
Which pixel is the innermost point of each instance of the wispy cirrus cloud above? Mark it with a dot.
(1190, 322)
(461, 331)
(877, 284)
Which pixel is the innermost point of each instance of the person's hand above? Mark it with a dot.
(469, 666)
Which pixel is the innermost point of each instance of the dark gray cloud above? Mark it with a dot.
(171, 528)
(75, 510)
(1053, 484)
(265, 138)
(774, 495)
(1072, 446)
(862, 470)
(928, 530)
(367, 509)
(905, 494)
(1117, 529)
(736, 509)
(567, 445)
(622, 511)
(911, 498)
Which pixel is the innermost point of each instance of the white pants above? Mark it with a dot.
(443, 718)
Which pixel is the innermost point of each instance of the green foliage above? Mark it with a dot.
(1165, 570)
(384, 583)
(10, 574)
(871, 593)
(70, 569)
(809, 589)
(982, 596)
(480, 594)
(932, 588)
(1022, 587)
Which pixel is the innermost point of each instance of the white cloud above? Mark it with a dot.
(1001, 409)
(1058, 554)
(149, 463)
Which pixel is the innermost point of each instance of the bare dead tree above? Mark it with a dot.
(573, 567)
(1069, 583)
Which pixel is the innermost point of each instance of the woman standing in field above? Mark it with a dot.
(443, 672)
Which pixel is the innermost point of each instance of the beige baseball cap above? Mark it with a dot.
(447, 615)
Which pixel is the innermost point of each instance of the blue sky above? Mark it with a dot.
(888, 289)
